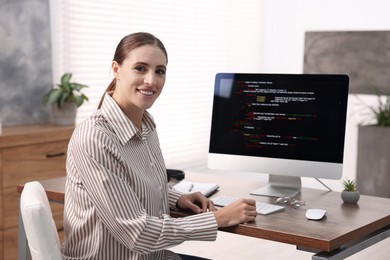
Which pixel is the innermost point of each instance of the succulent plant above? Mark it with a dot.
(349, 185)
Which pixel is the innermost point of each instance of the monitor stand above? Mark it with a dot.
(280, 186)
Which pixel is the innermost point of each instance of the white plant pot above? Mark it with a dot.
(65, 115)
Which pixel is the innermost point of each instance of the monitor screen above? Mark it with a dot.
(279, 124)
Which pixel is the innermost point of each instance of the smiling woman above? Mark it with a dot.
(117, 192)
(139, 66)
(203, 38)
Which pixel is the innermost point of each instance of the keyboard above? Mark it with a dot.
(261, 207)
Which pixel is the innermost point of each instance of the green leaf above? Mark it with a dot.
(52, 97)
(62, 99)
(79, 100)
(84, 97)
(77, 86)
(66, 78)
(65, 85)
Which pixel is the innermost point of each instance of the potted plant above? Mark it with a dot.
(350, 194)
(65, 97)
(373, 165)
(381, 112)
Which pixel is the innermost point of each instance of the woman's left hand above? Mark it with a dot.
(196, 202)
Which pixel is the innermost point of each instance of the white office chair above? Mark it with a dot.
(41, 231)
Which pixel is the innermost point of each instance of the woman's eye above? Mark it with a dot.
(160, 72)
(140, 68)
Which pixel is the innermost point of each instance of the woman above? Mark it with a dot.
(117, 199)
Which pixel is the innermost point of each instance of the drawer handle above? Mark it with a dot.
(51, 155)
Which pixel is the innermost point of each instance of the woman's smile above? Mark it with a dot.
(146, 92)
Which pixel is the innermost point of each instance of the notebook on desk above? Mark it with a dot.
(206, 189)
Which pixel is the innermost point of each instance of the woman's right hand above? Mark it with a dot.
(239, 211)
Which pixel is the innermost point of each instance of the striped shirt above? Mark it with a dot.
(117, 199)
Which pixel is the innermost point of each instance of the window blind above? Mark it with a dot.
(202, 38)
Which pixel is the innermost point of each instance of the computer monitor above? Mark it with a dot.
(286, 125)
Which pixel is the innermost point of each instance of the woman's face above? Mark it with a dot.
(140, 79)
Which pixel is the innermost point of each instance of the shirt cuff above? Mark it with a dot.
(173, 197)
(201, 227)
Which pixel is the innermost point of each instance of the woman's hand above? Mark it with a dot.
(239, 211)
(196, 202)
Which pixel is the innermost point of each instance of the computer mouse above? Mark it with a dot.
(315, 214)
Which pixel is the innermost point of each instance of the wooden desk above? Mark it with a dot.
(345, 230)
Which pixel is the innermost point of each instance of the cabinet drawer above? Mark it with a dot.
(22, 162)
(28, 163)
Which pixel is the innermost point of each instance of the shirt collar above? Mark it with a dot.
(123, 127)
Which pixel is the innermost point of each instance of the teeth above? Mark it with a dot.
(147, 93)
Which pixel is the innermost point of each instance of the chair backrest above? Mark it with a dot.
(41, 231)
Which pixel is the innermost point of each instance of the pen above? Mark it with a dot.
(191, 187)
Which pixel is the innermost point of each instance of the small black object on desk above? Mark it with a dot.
(175, 174)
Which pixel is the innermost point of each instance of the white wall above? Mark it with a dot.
(285, 23)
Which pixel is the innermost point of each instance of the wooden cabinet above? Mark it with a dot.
(28, 153)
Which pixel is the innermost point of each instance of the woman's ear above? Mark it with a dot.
(116, 69)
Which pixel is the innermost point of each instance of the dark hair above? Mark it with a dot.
(126, 45)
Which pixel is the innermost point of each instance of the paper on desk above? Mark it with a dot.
(189, 187)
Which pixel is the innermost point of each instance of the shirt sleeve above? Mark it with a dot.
(119, 209)
(173, 197)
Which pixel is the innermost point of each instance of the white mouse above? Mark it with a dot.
(315, 214)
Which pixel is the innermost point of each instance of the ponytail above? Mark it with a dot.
(110, 88)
